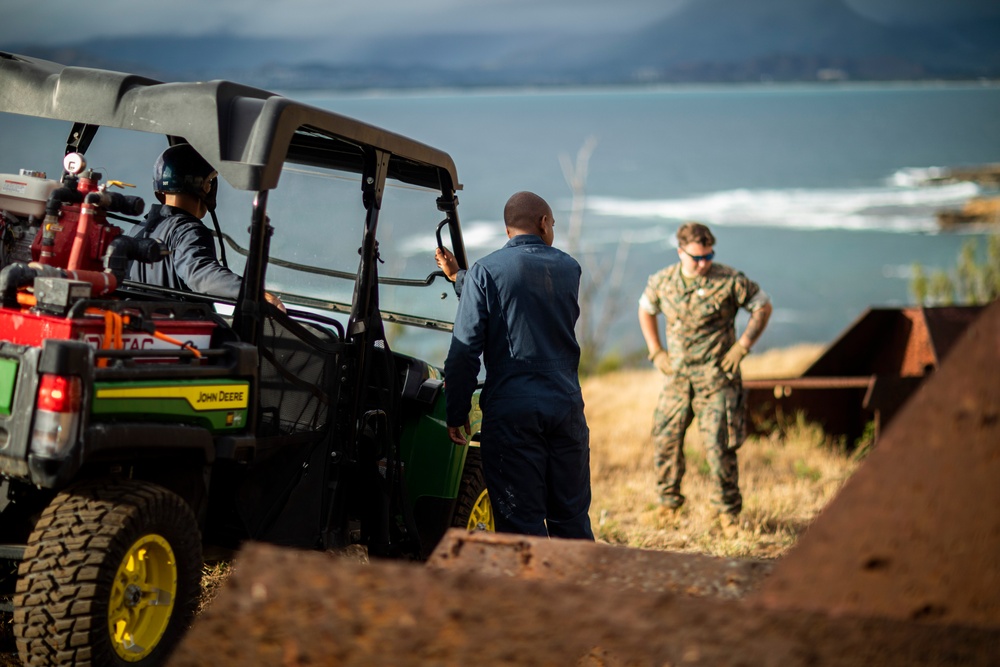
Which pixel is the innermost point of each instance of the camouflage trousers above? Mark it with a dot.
(721, 422)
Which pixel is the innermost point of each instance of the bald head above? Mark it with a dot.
(527, 213)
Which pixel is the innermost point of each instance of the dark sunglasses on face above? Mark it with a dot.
(700, 258)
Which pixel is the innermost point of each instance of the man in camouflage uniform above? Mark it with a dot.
(699, 300)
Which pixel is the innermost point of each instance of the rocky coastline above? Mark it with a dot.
(984, 209)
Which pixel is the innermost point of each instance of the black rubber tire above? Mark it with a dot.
(472, 507)
(65, 582)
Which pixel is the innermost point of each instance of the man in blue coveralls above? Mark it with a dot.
(518, 309)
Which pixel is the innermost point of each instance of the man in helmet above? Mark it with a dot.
(185, 185)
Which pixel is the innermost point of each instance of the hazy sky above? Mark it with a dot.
(55, 21)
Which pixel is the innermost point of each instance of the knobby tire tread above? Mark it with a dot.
(62, 594)
(472, 485)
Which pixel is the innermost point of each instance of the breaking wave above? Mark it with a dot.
(899, 208)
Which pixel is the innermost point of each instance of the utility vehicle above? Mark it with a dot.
(142, 429)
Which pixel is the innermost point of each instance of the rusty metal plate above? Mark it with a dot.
(915, 532)
(584, 563)
(865, 375)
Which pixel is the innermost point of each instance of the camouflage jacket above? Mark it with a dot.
(700, 312)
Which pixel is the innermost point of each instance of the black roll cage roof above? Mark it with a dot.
(246, 133)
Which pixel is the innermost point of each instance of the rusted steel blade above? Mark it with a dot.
(584, 563)
(915, 532)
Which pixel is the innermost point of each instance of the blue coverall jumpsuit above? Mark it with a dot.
(518, 309)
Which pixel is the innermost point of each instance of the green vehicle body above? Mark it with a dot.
(215, 405)
(435, 468)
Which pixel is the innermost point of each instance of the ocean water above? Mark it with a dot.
(817, 192)
(814, 191)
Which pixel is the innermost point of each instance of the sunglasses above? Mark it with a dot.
(700, 258)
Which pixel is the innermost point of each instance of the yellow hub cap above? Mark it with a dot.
(481, 516)
(142, 598)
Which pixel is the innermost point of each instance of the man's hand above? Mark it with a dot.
(455, 433)
(274, 301)
(447, 263)
(731, 361)
(661, 359)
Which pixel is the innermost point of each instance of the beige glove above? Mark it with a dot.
(731, 361)
(661, 359)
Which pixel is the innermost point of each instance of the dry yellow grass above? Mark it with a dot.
(785, 482)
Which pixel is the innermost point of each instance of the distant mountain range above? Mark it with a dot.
(706, 41)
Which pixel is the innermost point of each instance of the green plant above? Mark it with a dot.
(610, 531)
(972, 281)
(609, 363)
(865, 443)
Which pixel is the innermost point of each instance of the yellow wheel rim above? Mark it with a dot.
(481, 516)
(142, 598)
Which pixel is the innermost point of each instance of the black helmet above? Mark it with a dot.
(182, 169)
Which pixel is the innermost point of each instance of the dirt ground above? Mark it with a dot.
(8, 652)
(518, 606)
(289, 608)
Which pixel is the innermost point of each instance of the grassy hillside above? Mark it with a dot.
(785, 482)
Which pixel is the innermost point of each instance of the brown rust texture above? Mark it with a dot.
(586, 563)
(294, 608)
(915, 532)
(917, 347)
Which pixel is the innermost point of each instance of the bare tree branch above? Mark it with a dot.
(597, 313)
(576, 178)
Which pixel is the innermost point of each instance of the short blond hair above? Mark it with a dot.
(694, 232)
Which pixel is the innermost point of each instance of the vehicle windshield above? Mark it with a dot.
(318, 220)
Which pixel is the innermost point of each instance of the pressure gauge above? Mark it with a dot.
(74, 163)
